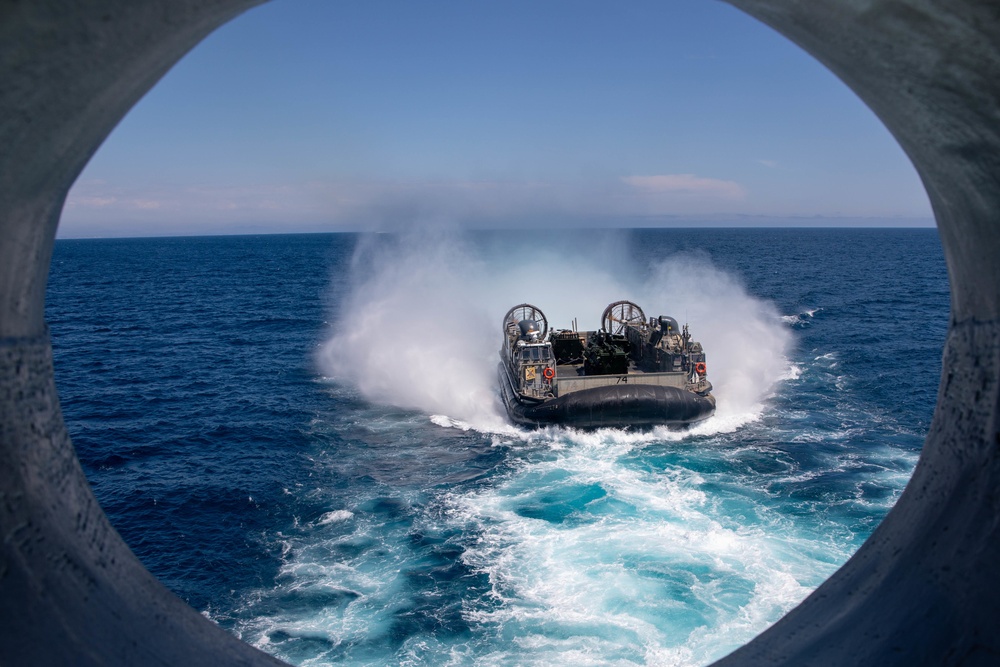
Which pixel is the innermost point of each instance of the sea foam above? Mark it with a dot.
(420, 326)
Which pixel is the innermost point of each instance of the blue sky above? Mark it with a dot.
(312, 115)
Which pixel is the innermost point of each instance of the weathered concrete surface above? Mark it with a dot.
(922, 590)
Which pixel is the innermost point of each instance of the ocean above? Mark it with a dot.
(301, 436)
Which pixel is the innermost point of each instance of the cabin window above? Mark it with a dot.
(535, 354)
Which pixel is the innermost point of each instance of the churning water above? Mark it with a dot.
(300, 435)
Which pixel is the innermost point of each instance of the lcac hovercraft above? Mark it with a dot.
(633, 372)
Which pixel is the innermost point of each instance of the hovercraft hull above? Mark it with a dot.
(616, 406)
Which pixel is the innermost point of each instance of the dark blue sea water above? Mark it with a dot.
(300, 436)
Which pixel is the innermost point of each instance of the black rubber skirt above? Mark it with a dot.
(616, 406)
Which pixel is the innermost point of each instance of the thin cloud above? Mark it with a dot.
(90, 202)
(686, 184)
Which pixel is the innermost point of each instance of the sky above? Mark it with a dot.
(312, 116)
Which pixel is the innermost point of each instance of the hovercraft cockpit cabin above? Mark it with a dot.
(633, 372)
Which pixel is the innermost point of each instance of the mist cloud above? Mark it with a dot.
(420, 326)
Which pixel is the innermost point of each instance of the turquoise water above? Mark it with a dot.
(300, 434)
